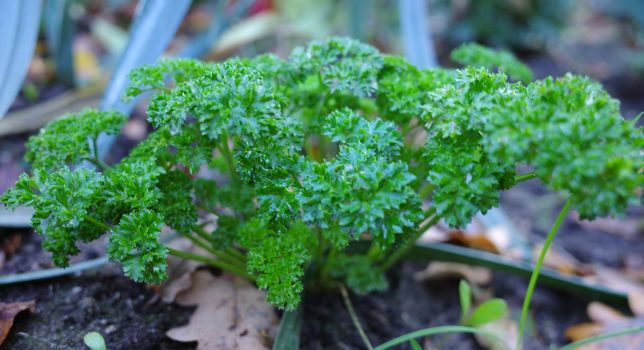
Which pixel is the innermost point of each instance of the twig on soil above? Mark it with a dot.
(354, 317)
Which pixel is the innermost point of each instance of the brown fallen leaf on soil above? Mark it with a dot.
(559, 259)
(438, 269)
(625, 227)
(475, 241)
(180, 270)
(606, 319)
(9, 311)
(231, 314)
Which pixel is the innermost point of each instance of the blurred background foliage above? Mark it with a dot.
(81, 41)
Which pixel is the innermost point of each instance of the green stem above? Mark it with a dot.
(425, 191)
(326, 269)
(354, 317)
(218, 253)
(524, 177)
(212, 262)
(228, 156)
(398, 254)
(535, 273)
(236, 254)
(436, 330)
(97, 223)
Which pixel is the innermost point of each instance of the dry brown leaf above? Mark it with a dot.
(505, 328)
(231, 314)
(621, 282)
(10, 242)
(583, 331)
(475, 241)
(9, 311)
(439, 269)
(636, 302)
(180, 270)
(602, 313)
(624, 227)
(606, 319)
(562, 261)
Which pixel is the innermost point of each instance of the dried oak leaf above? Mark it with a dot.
(439, 270)
(231, 314)
(9, 311)
(606, 319)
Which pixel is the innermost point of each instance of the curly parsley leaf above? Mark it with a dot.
(476, 55)
(134, 243)
(69, 140)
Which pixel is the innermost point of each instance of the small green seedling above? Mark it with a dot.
(94, 341)
(488, 311)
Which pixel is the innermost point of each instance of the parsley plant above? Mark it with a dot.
(298, 158)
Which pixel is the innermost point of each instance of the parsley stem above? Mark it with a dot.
(526, 176)
(97, 223)
(535, 273)
(228, 156)
(212, 262)
(219, 254)
(354, 316)
(404, 248)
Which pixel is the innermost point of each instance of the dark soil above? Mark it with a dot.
(410, 305)
(123, 311)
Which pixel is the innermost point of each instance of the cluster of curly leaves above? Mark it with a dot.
(386, 128)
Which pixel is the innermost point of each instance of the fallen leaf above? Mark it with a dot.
(583, 331)
(9, 311)
(636, 302)
(562, 261)
(602, 313)
(619, 281)
(625, 227)
(504, 328)
(475, 241)
(438, 269)
(606, 319)
(180, 270)
(231, 314)
(10, 242)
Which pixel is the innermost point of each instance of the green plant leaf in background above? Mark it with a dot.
(155, 25)
(488, 311)
(94, 341)
(18, 32)
(416, 35)
(288, 334)
(59, 30)
(222, 19)
(465, 296)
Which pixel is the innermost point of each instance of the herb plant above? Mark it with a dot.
(298, 158)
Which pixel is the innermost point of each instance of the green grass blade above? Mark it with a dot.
(433, 331)
(19, 22)
(59, 30)
(155, 24)
(288, 334)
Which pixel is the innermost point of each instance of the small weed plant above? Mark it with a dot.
(296, 159)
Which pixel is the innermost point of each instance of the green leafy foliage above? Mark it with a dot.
(489, 311)
(290, 161)
(476, 55)
(71, 138)
(359, 273)
(134, 243)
